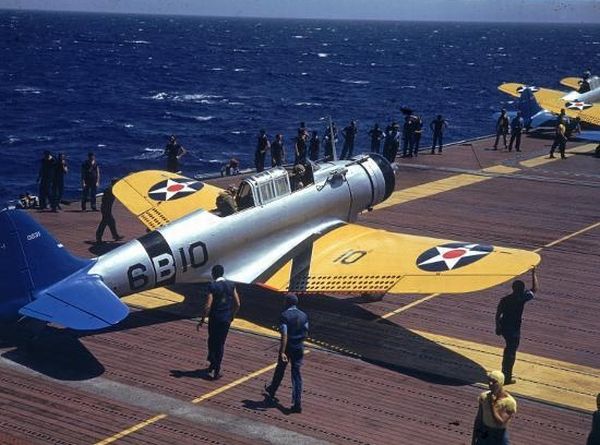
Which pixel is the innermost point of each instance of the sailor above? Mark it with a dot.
(108, 199)
(437, 126)
(277, 151)
(300, 146)
(508, 322)
(45, 178)
(222, 305)
(407, 136)
(417, 133)
(174, 151)
(501, 128)
(293, 327)
(262, 145)
(496, 408)
(376, 137)
(225, 203)
(560, 139)
(349, 134)
(90, 180)
(391, 142)
(516, 128)
(58, 184)
(314, 146)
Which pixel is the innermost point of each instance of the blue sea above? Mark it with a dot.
(118, 85)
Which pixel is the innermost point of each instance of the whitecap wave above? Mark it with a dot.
(355, 82)
(238, 50)
(128, 125)
(323, 55)
(236, 104)
(28, 90)
(239, 70)
(159, 96)
(138, 42)
(308, 104)
(408, 87)
(198, 97)
(299, 37)
(203, 118)
(217, 68)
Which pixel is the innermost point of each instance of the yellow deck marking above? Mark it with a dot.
(197, 400)
(541, 160)
(551, 380)
(154, 298)
(133, 429)
(431, 188)
(408, 306)
(567, 237)
(502, 169)
(233, 384)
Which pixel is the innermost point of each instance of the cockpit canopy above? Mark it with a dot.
(263, 188)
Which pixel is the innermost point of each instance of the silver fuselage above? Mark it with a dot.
(252, 241)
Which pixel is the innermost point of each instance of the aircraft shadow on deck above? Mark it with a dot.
(341, 325)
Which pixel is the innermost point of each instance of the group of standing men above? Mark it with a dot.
(307, 145)
(51, 180)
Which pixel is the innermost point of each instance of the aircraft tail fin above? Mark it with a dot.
(33, 265)
(528, 106)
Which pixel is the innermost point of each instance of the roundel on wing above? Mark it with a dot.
(451, 256)
(578, 105)
(174, 188)
(525, 87)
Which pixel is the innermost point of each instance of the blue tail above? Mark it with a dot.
(528, 106)
(41, 279)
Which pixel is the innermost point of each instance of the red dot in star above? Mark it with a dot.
(175, 187)
(454, 254)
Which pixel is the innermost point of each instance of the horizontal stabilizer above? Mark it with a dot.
(81, 302)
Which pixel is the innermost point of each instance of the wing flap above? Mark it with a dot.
(353, 259)
(83, 303)
(571, 82)
(157, 197)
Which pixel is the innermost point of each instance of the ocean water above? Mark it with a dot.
(120, 84)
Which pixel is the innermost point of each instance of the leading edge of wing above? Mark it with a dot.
(354, 258)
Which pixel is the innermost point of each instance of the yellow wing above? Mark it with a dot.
(157, 197)
(552, 100)
(354, 258)
(571, 82)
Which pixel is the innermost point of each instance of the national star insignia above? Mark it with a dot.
(174, 188)
(578, 105)
(451, 256)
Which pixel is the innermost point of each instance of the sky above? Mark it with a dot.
(567, 11)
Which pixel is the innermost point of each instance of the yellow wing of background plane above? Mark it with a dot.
(571, 82)
(552, 100)
(354, 258)
(157, 197)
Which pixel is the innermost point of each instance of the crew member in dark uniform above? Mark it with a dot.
(314, 146)
(437, 126)
(417, 133)
(58, 184)
(262, 145)
(376, 137)
(90, 179)
(222, 304)
(501, 128)
(45, 178)
(300, 147)
(277, 151)
(516, 128)
(407, 136)
(174, 151)
(293, 327)
(108, 199)
(391, 143)
(349, 134)
(508, 322)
